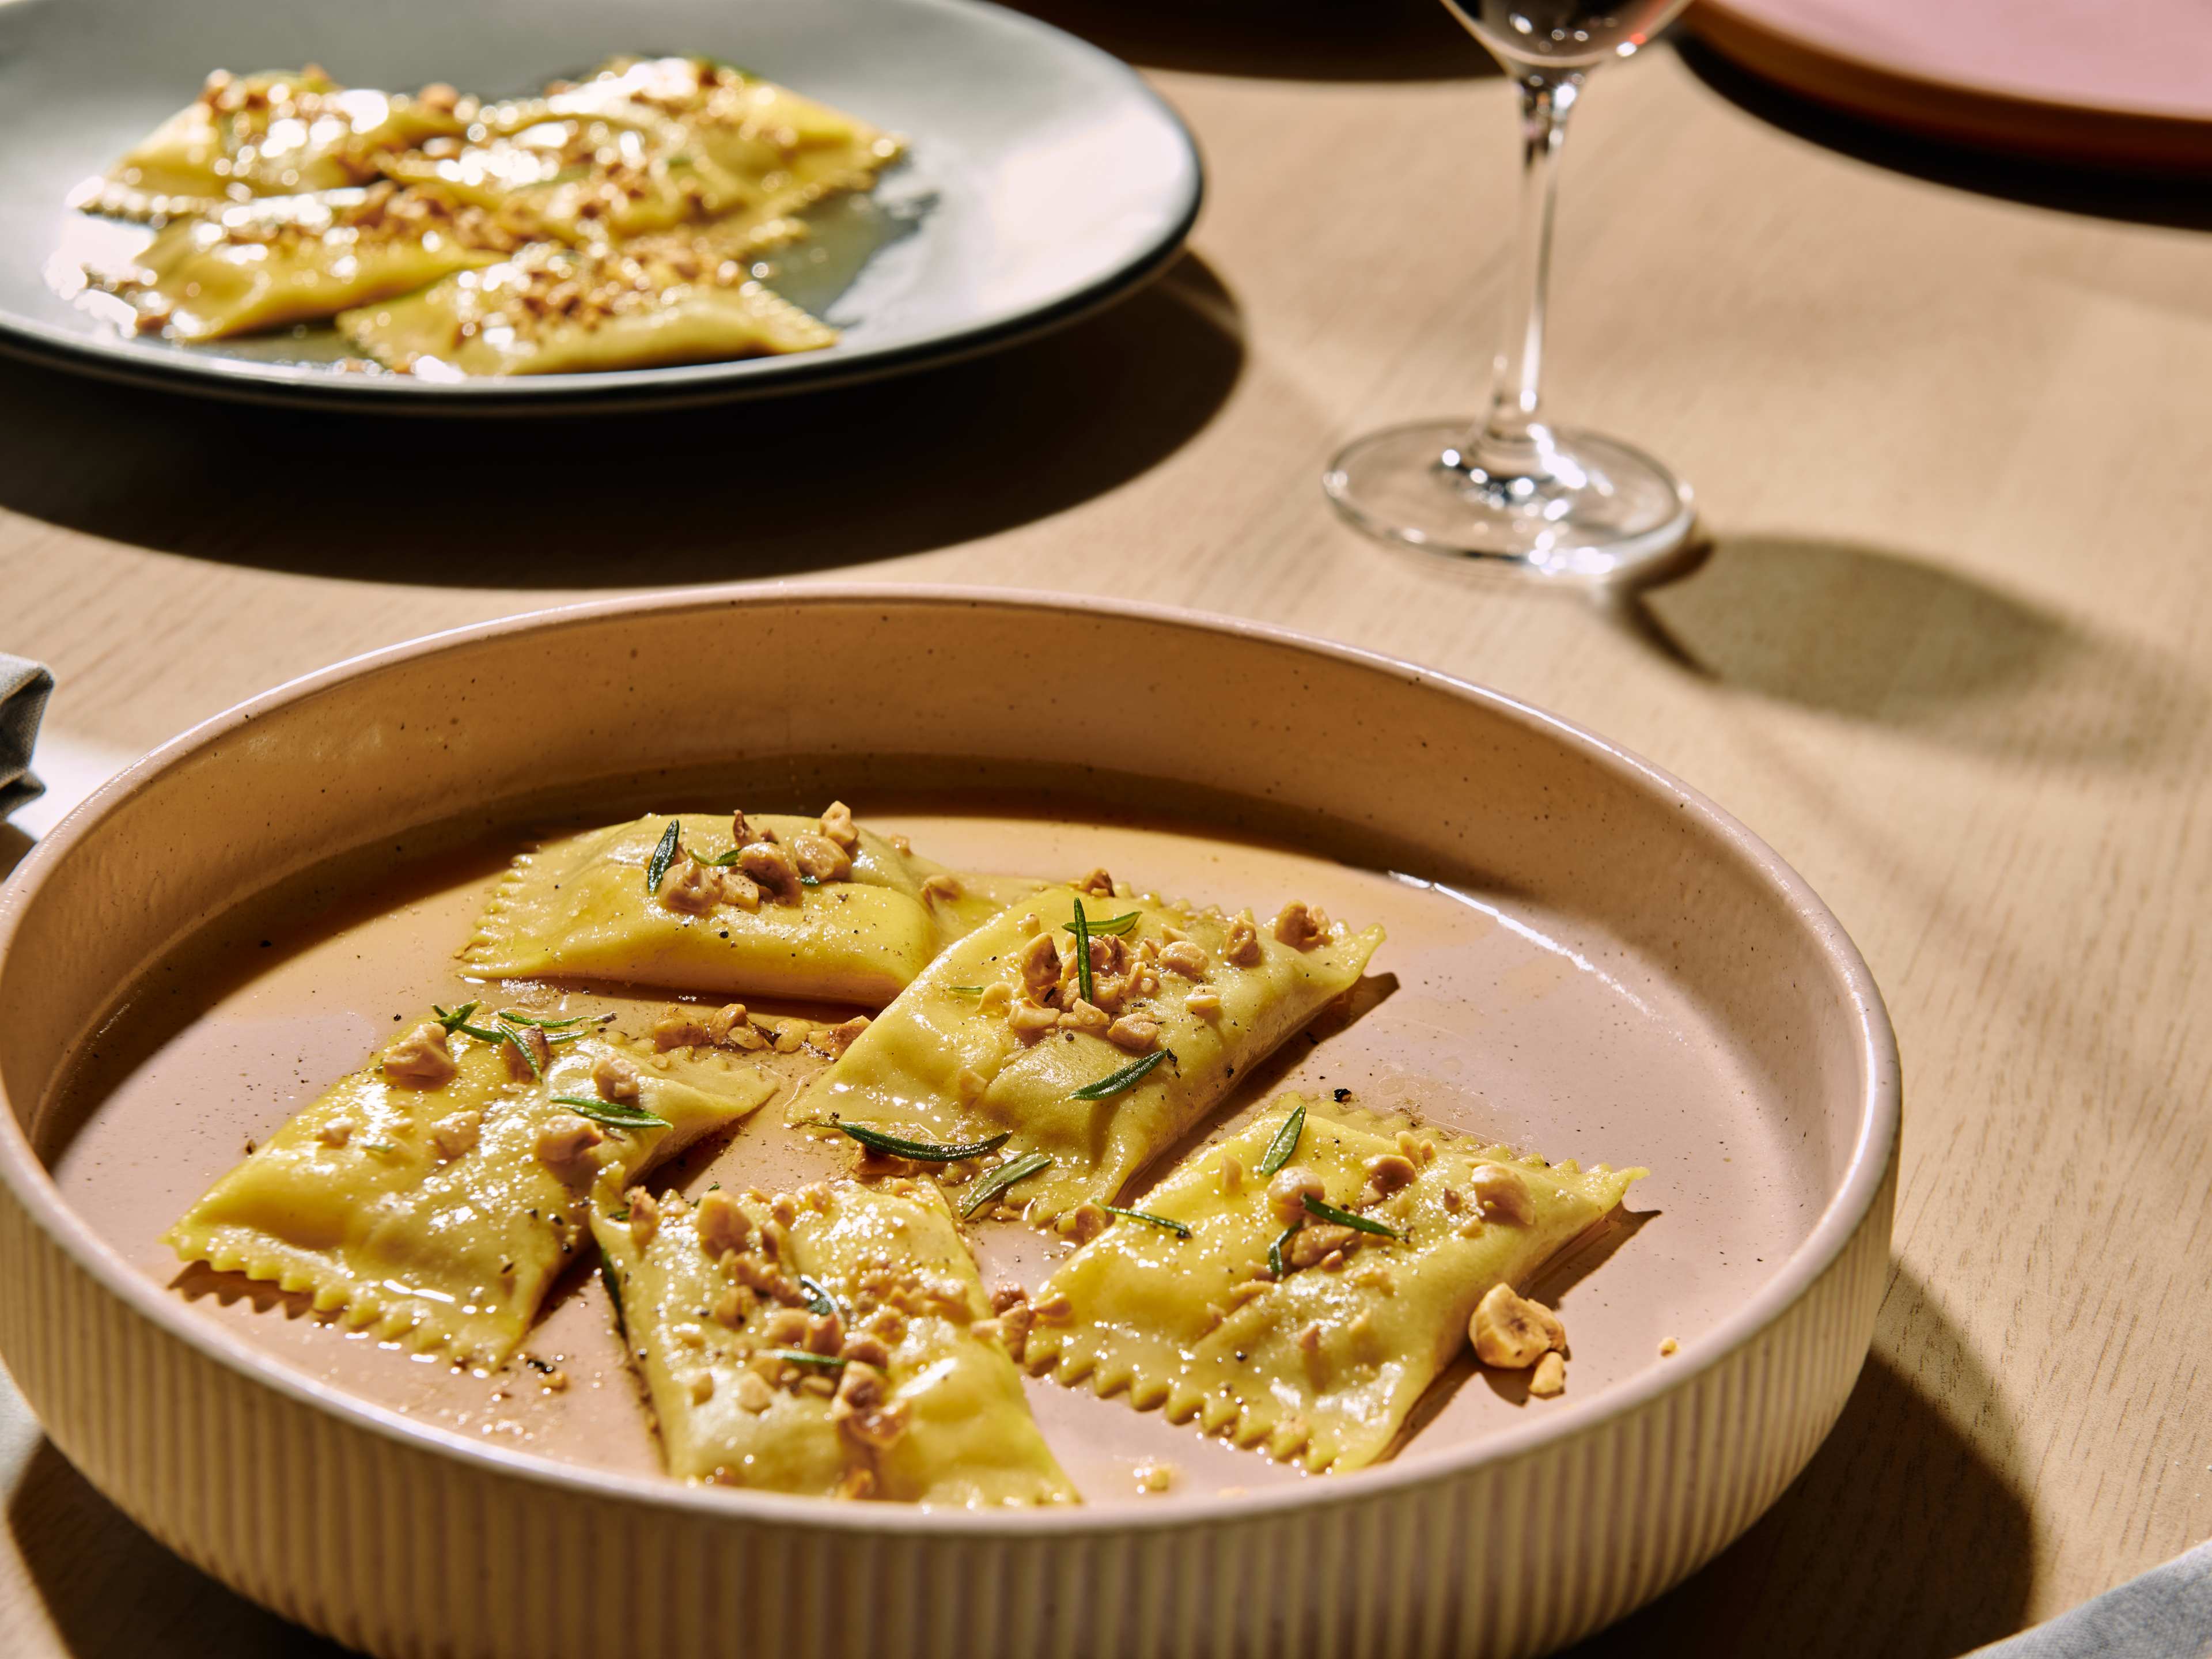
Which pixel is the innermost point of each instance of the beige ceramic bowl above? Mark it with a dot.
(402, 1538)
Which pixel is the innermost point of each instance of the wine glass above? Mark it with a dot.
(1511, 491)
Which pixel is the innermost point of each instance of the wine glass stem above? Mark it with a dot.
(1510, 442)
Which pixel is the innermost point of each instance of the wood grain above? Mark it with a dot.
(1951, 652)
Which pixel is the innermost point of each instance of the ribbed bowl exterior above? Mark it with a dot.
(405, 1552)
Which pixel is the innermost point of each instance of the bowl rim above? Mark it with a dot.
(1853, 1197)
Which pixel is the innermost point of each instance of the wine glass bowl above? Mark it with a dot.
(1510, 491)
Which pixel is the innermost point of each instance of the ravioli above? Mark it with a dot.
(288, 259)
(1322, 1363)
(550, 311)
(585, 906)
(434, 1195)
(996, 1039)
(833, 1342)
(277, 133)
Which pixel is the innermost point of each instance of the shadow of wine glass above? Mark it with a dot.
(1904, 1537)
(1880, 637)
(2139, 198)
(760, 488)
(1287, 41)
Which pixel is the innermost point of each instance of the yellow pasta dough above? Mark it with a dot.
(265, 264)
(1322, 1363)
(277, 133)
(583, 906)
(835, 1341)
(553, 311)
(996, 1037)
(435, 1194)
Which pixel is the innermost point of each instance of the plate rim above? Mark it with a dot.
(1856, 1191)
(238, 380)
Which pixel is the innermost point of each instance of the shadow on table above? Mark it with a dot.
(1881, 636)
(767, 487)
(2142, 198)
(1289, 40)
(1902, 1537)
(113, 1593)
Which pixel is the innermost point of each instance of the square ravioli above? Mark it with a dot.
(1084, 1067)
(833, 1342)
(1241, 1303)
(275, 133)
(553, 310)
(435, 1194)
(282, 260)
(757, 905)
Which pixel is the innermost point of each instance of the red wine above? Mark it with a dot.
(1564, 33)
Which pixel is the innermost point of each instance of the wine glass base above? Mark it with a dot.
(1609, 510)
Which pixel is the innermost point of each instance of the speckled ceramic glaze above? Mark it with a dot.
(1505, 1526)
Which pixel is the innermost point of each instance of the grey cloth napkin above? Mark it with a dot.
(24, 687)
(2165, 1614)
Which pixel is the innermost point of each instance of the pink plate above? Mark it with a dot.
(2077, 81)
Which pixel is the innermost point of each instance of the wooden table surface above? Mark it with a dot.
(1950, 652)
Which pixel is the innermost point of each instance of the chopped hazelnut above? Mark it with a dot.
(753, 1393)
(1087, 1221)
(788, 1327)
(838, 1038)
(861, 1411)
(1388, 1173)
(336, 1131)
(741, 832)
(1317, 1242)
(1203, 1001)
(616, 1078)
(1041, 968)
(566, 1138)
(1309, 1340)
(1185, 958)
(528, 1055)
(1083, 1016)
(1098, 882)
(942, 886)
(1031, 1020)
(644, 1216)
(820, 857)
(1232, 1173)
(837, 824)
(1301, 926)
(1501, 1194)
(1241, 946)
(791, 1035)
(700, 1386)
(1550, 1376)
(867, 1349)
(1135, 1033)
(422, 1058)
(773, 868)
(1054, 1308)
(682, 1028)
(1510, 1331)
(998, 997)
(457, 1134)
(439, 96)
(1288, 1191)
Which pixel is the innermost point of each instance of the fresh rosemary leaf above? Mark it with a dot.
(1082, 926)
(810, 881)
(1163, 1222)
(611, 1111)
(996, 1180)
(966, 990)
(507, 1034)
(622, 1214)
(1275, 1249)
(453, 1020)
(1112, 924)
(481, 1033)
(817, 1295)
(921, 1152)
(724, 860)
(614, 1295)
(801, 1356)
(544, 1024)
(1126, 1079)
(671, 838)
(1348, 1218)
(1285, 1142)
